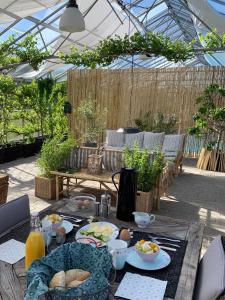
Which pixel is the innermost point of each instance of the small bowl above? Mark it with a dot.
(56, 225)
(147, 256)
(84, 201)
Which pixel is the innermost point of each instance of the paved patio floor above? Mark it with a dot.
(195, 195)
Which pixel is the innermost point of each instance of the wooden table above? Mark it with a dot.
(13, 278)
(80, 177)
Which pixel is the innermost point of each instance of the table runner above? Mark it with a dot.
(170, 273)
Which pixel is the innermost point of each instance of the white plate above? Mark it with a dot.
(67, 225)
(113, 237)
(161, 261)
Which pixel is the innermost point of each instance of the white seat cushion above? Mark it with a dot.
(173, 142)
(211, 273)
(170, 153)
(107, 147)
(153, 141)
(114, 138)
(132, 138)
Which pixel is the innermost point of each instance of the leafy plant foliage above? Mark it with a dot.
(210, 117)
(25, 51)
(159, 123)
(113, 47)
(54, 152)
(31, 108)
(93, 120)
(148, 173)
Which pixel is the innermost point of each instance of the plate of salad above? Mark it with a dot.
(101, 231)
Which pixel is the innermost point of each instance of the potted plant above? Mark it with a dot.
(94, 121)
(53, 154)
(148, 174)
(210, 125)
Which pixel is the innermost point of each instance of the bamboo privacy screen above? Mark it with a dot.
(130, 95)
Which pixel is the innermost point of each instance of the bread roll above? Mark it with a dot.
(58, 280)
(76, 274)
(74, 283)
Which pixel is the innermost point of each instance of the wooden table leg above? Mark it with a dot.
(57, 186)
(68, 187)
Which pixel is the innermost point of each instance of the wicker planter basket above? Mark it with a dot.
(144, 201)
(4, 183)
(45, 188)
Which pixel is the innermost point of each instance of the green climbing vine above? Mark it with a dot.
(110, 49)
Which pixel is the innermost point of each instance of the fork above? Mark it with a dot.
(71, 218)
(163, 238)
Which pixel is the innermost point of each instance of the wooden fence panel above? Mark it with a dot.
(130, 94)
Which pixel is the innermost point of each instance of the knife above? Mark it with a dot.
(168, 248)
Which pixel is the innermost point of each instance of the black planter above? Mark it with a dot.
(12, 152)
(28, 149)
(91, 144)
(2, 154)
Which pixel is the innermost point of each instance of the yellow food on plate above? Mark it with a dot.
(54, 218)
(146, 247)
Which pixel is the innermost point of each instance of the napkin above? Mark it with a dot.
(138, 287)
(12, 251)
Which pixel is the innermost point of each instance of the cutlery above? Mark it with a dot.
(163, 238)
(165, 243)
(71, 218)
(76, 225)
(168, 248)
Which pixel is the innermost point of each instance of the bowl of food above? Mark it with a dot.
(84, 201)
(56, 221)
(147, 250)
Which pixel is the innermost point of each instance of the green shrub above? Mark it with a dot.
(148, 173)
(53, 155)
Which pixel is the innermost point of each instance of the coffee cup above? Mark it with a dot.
(118, 250)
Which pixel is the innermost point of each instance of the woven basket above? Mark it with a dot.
(3, 193)
(4, 184)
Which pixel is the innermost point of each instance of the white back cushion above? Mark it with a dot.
(211, 274)
(132, 138)
(153, 141)
(114, 138)
(173, 142)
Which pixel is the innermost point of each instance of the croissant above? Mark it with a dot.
(58, 280)
(76, 274)
(74, 283)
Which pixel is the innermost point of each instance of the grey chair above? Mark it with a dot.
(210, 284)
(14, 213)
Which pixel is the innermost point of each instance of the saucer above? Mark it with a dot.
(161, 261)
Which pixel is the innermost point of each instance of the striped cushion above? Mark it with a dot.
(153, 141)
(114, 138)
(132, 138)
(173, 142)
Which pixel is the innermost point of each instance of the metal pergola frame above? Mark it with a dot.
(174, 20)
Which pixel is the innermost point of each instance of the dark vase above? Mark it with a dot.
(127, 194)
(91, 144)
